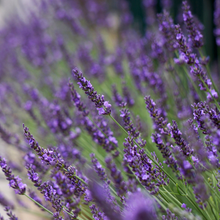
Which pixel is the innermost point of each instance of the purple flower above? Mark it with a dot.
(105, 109)
(186, 165)
(180, 60)
(150, 177)
(196, 69)
(183, 205)
(159, 122)
(140, 207)
(189, 57)
(102, 106)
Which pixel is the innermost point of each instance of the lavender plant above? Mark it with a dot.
(115, 125)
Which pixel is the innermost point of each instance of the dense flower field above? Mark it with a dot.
(106, 123)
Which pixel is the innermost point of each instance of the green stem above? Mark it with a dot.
(212, 211)
(118, 124)
(212, 189)
(67, 212)
(39, 204)
(171, 194)
(207, 213)
(195, 205)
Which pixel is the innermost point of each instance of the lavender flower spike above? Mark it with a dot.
(14, 182)
(103, 106)
(166, 27)
(195, 37)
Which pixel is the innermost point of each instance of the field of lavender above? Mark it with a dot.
(100, 122)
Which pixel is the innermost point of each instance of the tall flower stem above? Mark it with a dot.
(176, 200)
(48, 211)
(212, 189)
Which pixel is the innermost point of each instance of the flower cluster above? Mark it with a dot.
(138, 138)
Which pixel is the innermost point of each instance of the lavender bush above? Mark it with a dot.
(105, 123)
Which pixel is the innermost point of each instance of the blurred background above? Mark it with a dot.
(202, 9)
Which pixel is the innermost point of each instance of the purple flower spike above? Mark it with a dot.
(87, 87)
(195, 37)
(177, 136)
(14, 182)
(166, 27)
(128, 125)
(77, 101)
(188, 56)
